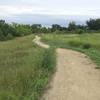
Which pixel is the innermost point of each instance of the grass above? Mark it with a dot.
(86, 43)
(25, 69)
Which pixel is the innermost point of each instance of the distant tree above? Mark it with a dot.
(21, 29)
(9, 31)
(63, 28)
(93, 24)
(36, 28)
(72, 26)
(55, 27)
(6, 30)
(44, 30)
(2, 22)
(82, 27)
(2, 37)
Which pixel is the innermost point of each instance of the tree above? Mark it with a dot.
(72, 26)
(44, 30)
(55, 27)
(36, 28)
(2, 22)
(93, 24)
(2, 37)
(8, 31)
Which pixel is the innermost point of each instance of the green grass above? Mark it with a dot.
(86, 43)
(25, 69)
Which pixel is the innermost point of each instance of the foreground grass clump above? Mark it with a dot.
(87, 43)
(25, 69)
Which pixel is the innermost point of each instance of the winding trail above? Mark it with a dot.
(39, 43)
(75, 78)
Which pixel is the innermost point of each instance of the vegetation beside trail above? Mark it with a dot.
(86, 43)
(9, 31)
(25, 69)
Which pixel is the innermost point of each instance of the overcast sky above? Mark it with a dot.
(39, 10)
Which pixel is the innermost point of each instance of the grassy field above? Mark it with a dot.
(25, 69)
(86, 43)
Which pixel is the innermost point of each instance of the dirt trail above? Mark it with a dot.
(75, 79)
(38, 42)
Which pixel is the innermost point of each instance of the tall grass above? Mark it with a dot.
(25, 69)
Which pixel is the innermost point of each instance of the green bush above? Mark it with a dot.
(86, 46)
(9, 36)
(9, 31)
(79, 31)
(75, 43)
(2, 37)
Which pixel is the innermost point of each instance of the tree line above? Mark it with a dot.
(9, 31)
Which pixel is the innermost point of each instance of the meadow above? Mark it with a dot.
(86, 43)
(25, 69)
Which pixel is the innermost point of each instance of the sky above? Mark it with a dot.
(49, 11)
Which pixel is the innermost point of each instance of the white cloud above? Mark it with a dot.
(55, 8)
(35, 9)
(14, 10)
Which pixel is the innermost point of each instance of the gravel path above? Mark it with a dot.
(75, 78)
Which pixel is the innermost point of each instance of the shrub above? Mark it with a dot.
(9, 36)
(79, 31)
(2, 37)
(57, 32)
(86, 46)
(75, 43)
